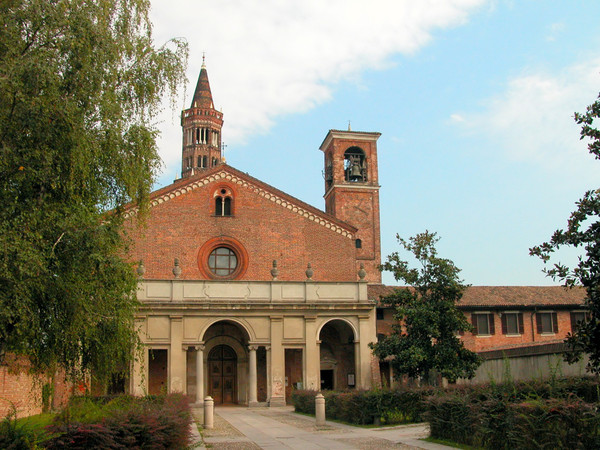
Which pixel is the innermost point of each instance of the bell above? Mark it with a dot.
(355, 172)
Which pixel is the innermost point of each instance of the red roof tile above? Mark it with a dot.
(505, 296)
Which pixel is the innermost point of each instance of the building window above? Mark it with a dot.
(512, 323)
(483, 324)
(379, 313)
(222, 257)
(577, 317)
(358, 243)
(223, 201)
(222, 261)
(547, 322)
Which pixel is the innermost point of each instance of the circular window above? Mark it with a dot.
(222, 257)
(222, 261)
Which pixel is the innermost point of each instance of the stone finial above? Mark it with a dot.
(362, 273)
(176, 268)
(141, 270)
(274, 270)
(309, 272)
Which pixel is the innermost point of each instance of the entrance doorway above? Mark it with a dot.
(222, 369)
(327, 380)
(157, 371)
(293, 372)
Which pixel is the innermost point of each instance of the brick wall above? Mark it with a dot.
(23, 390)
(498, 340)
(530, 333)
(178, 228)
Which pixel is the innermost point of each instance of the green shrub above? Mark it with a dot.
(16, 434)
(498, 423)
(366, 407)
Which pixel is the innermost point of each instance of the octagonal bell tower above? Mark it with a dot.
(202, 125)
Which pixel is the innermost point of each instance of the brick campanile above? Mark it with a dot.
(352, 191)
(201, 125)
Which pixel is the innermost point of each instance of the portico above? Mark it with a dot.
(253, 342)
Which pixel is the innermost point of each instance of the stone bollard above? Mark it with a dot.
(209, 412)
(320, 409)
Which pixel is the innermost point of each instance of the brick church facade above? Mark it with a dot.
(248, 293)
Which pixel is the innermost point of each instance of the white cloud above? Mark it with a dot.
(532, 120)
(266, 58)
(554, 30)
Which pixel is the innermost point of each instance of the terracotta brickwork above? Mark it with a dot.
(355, 201)
(530, 333)
(523, 303)
(265, 225)
(23, 391)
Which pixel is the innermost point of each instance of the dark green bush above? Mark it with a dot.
(496, 422)
(17, 435)
(366, 407)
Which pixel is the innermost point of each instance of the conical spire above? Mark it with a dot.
(202, 126)
(202, 94)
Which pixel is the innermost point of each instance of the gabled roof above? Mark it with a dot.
(494, 297)
(202, 95)
(224, 172)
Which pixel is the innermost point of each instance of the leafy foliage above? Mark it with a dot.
(363, 407)
(80, 83)
(424, 338)
(583, 231)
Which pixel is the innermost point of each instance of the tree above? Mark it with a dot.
(424, 339)
(583, 232)
(80, 86)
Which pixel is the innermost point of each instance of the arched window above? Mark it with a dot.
(223, 202)
(355, 165)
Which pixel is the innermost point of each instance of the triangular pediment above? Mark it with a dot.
(227, 173)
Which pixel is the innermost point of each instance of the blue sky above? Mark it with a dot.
(474, 100)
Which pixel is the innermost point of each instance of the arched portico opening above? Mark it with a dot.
(222, 374)
(337, 355)
(226, 362)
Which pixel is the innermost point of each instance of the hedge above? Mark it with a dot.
(498, 424)
(367, 407)
(556, 413)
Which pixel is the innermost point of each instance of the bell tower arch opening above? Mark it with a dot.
(355, 165)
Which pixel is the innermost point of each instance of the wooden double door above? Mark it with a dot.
(222, 369)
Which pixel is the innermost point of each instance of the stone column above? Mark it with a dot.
(139, 380)
(313, 363)
(357, 363)
(138, 383)
(177, 360)
(199, 374)
(277, 363)
(268, 354)
(367, 334)
(252, 376)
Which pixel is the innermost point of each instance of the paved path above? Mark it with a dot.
(281, 428)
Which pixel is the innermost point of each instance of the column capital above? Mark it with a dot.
(199, 347)
(253, 347)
